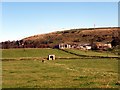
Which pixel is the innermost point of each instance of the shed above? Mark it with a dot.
(51, 57)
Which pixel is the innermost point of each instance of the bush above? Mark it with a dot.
(109, 49)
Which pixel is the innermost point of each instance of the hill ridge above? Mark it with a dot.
(74, 30)
(80, 33)
(71, 36)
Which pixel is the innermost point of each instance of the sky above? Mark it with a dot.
(23, 19)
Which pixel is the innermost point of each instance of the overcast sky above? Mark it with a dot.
(23, 19)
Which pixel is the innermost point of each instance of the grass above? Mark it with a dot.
(44, 52)
(60, 73)
(38, 52)
(80, 73)
(92, 53)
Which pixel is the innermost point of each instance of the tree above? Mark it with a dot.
(115, 41)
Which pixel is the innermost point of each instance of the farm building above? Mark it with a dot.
(85, 47)
(51, 57)
(88, 47)
(101, 46)
(64, 46)
(82, 46)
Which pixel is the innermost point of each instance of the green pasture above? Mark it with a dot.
(59, 73)
(38, 52)
(80, 73)
(92, 53)
(44, 52)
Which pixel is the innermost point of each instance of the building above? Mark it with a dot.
(64, 46)
(88, 47)
(51, 57)
(101, 46)
(85, 47)
(74, 46)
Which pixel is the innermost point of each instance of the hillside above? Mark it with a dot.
(72, 36)
(86, 35)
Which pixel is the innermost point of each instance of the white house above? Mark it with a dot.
(88, 47)
(64, 46)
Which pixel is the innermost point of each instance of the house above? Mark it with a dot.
(101, 46)
(88, 47)
(64, 46)
(76, 46)
(82, 46)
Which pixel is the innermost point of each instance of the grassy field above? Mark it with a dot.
(60, 73)
(38, 52)
(44, 52)
(92, 53)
